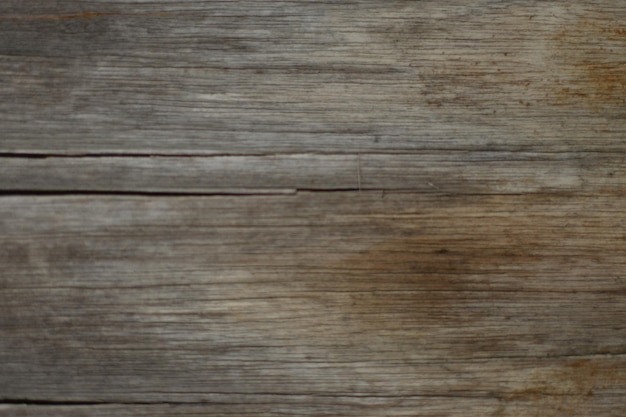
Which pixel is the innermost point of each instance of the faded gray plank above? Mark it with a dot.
(439, 300)
(317, 303)
(449, 172)
(255, 77)
(234, 174)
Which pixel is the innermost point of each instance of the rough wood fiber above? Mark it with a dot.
(433, 223)
(260, 76)
(450, 172)
(380, 407)
(316, 303)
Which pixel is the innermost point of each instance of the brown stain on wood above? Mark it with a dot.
(563, 390)
(576, 378)
(404, 282)
(426, 279)
(404, 289)
(590, 64)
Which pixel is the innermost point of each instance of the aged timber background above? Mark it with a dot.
(313, 208)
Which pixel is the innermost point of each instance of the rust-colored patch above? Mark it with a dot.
(590, 63)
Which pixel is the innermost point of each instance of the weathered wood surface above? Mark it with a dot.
(259, 76)
(364, 208)
(405, 407)
(321, 303)
(448, 172)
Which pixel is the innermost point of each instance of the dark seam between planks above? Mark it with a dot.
(399, 152)
(283, 192)
(68, 193)
(69, 403)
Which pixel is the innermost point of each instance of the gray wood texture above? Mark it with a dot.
(260, 76)
(337, 301)
(312, 208)
(449, 172)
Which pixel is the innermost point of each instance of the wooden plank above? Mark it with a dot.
(254, 77)
(315, 303)
(472, 265)
(376, 407)
(450, 172)
(230, 174)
